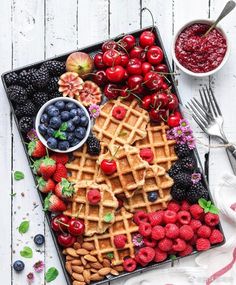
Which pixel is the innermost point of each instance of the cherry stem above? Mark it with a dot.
(119, 45)
(114, 154)
(166, 73)
(153, 22)
(61, 223)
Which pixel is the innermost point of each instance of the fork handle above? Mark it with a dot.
(231, 152)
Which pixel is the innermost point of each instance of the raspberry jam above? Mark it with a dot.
(198, 53)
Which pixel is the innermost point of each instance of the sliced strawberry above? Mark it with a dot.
(47, 167)
(53, 204)
(46, 186)
(60, 172)
(64, 189)
(36, 149)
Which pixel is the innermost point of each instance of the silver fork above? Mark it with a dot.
(208, 116)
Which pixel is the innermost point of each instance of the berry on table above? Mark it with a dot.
(94, 196)
(186, 232)
(146, 254)
(183, 180)
(169, 217)
(175, 169)
(185, 205)
(26, 124)
(54, 67)
(129, 264)
(39, 99)
(145, 229)
(108, 166)
(188, 250)
(66, 239)
(93, 145)
(18, 265)
(36, 149)
(212, 219)
(156, 218)
(157, 232)
(160, 255)
(152, 196)
(40, 78)
(120, 241)
(184, 217)
(39, 239)
(196, 211)
(172, 231)
(61, 172)
(148, 241)
(179, 244)
(17, 94)
(216, 237)
(188, 164)
(60, 157)
(146, 154)
(195, 224)
(52, 143)
(196, 192)
(140, 216)
(165, 244)
(76, 227)
(119, 112)
(182, 150)
(202, 244)
(204, 231)
(11, 78)
(63, 145)
(173, 206)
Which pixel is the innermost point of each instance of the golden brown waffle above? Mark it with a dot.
(162, 148)
(97, 218)
(156, 180)
(112, 131)
(104, 243)
(131, 170)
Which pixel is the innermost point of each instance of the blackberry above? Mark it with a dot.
(93, 145)
(183, 180)
(40, 78)
(11, 78)
(178, 193)
(55, 94)
(196, 192)
(27, 109)
(17, 94)
(55, 67)
(182, 150)
(39, 99)
(25, 78)
(26, 124)
(30, 90)
(52, 85)
(175, 169)
(188, 164)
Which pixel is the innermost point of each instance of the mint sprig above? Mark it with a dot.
(18, 175)
(26, 252)
(208, 206)
(24, 227)
(51, 274)
(60, 133)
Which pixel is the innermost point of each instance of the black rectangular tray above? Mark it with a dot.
(92, 49)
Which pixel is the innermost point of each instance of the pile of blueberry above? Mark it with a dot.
(63, 125)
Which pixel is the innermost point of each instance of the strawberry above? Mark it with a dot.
(45, 186)
(47, 167)
(53, 204)
(36, 149)
(64, 189)
(60, 157)
(60, 172)
(36, 166)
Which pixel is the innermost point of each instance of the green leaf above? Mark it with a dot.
(31, 147)
(110, 255)
(108, 217)
(51, 274)
(26, 252)
(206, 210)
(173, 257)
(202, 202)
(24, 226)
(208, 204)
(59, 134)
(213, 209)
(64, 126)
(18, 175)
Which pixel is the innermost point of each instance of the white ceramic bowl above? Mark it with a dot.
(189, 72)
(41, 111)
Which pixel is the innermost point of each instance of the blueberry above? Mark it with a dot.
(69, 106)
(43, 129)
(39, 239)
(50, 132)
(84, 121)
(53, 111)
(73, 113)
(65, 116)
(44, 118)
(76, 120)
(63, 145)
(70, 126)
(18, 265)
(75, 142)
(52, 143)
(80, 112)
(70, 137)
(152, 196)
(55, 122)
(80, 132)
(60, 105)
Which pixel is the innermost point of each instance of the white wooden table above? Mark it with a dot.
(34, 30)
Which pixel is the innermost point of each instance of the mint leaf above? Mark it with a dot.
(18, 175)
(23, 228)
(203, 203)
(208, 204)
(59, 134)
(214, 210)
(26, 252)
(110, 255)
(51, 274)
(108, 217)
(63, 126)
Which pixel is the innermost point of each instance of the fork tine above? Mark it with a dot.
(207, 101)
(213, 109)
(200, 109)
(197, 120)
(198, 115)
(214, 99)
(203, 100)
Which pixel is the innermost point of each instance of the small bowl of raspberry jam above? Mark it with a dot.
(200, 55)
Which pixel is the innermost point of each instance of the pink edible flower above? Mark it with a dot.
(39, 266)
(30, 278)
(94, 110)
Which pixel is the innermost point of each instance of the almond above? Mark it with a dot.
(78, 283)
(78, 277)
(96, 265)
(96, 277)
(68, 267)
(106, 262)
(90, 258)
(119, 268)
(87, 245)
(82, 251)
(84, 261)
(77, 245)
(64, 251)
(93, 270)
(114, 272)
(104, 271)
(69, 258)
(76, 262)
(77, 269)
(71, 251)
(86, 275)
(87, 266)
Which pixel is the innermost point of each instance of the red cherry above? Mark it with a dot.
(59, 223)
(173, 102)
(126, 75)
(66, 239)
(161, 68)
(159, 100)
(76, 227)
(146, 39)
(109, 91)
(155, 55)
(125, 93)
(124, 59)
(100, 78)
(165, 86)
(128, 42)
(153, 81)
(109, 45)
(173, 120)
(135, 84)
(108, 166)
(138, 52)
(115, 73)
(98, 62)
(146, 102)
(111, 57)
(158, 115)
(146, 67)
(134, 66)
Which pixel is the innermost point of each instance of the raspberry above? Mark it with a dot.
(184, 217)
(195, 224)
(149, 242)
(146, 154)
(137, 259)
(179, 245)
(204, 232)
(146, 254)
(216, 237)
(165, 244)
(172, 231)
(155, 218)
(120, 241)
(119, 113)
(129, 264)
(145, 229)
(193, 239)
(160, 255)
(185, 206)
(188, 250)
(202, 244)
(211, 219)
(173, 206)
(158, 232)
(196, 211)
(94, 196)
(169, 217)
(140, 216)
(186, 232)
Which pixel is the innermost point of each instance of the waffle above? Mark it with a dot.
(94, 216)
(131, 170)
(112, 131)
(162, 148)
(83, 166)
(157, 180)
(104, 244)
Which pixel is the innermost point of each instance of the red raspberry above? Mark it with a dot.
(184, 217)
(185, 206)
(169, 217)
(146, 154)
(186, 232)
(160, 255)
(129, 264)
(196, 211)
(140, 216)
(120, 241)
(216, 237)
(145, 229)
(139, 261)
(165, 244)
(173, 206)
(204, 232)
(193, 239)
(149, 242)
(94, 196)
(202, 244)
(195, 225)
(211, 219)
(146, 254)
(158, 232)
(179, 245)
(172, 231)
(119, 112)
(156, 218)
(188, 250)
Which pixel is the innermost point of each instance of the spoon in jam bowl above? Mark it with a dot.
(229, 6)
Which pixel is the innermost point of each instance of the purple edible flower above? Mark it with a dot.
(38, 266)
(32, 135)
(30, 278)
(94, 110)
(195, 177)
(137, 240)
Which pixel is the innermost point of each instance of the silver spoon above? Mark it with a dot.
(229, 6)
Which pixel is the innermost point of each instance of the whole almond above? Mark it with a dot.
(78, 283)
(68, 267)
(87, 266)
(76, 262)
(82, 251)
(96, 277)
(77, 269)
(71, 251)
(87, 245)
(77, 245)
(84, 261)
(69, 258)
(86, 275)
(106, 262)
(90, 258)
(78, 277)
(96, 265)
(119, 268)
(104, 271)
(93, 270)
(64, 251)
(114, 272)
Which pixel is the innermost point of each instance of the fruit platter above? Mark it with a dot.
(113, 158)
